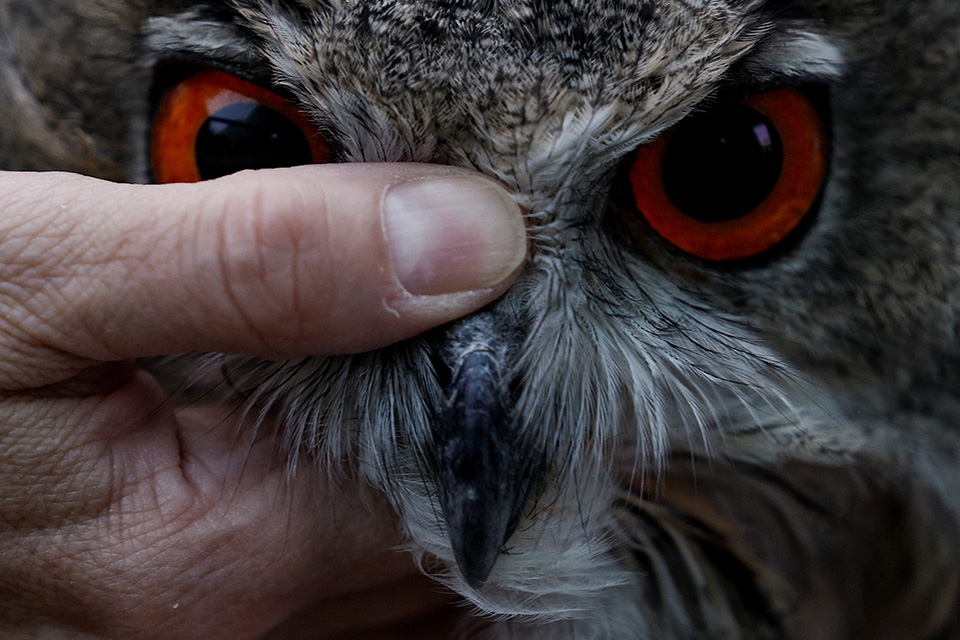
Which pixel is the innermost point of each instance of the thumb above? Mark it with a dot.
(283, 263)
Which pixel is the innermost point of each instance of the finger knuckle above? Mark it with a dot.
(271, 243)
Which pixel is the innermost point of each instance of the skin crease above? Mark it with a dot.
(122, 519)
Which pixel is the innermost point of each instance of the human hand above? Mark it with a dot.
(122, 519)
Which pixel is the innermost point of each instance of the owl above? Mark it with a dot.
(720, 402)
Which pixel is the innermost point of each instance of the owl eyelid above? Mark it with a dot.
(740, 82)
(172, 69)
(735, 90)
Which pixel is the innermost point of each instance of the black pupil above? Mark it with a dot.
(723, 164)
(249, 136)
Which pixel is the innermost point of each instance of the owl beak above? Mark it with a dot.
(483, 476)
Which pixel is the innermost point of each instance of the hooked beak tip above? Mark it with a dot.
(476, 555)
(479, 522)
(483, 478)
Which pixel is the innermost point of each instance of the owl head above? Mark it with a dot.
(742, 219)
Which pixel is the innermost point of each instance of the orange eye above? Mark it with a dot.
(734, 182)
(213, 124)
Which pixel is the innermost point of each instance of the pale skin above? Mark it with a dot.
(123, 518)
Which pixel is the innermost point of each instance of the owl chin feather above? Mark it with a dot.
(616, 415)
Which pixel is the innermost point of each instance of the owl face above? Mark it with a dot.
(732, 233)
(498, 430)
